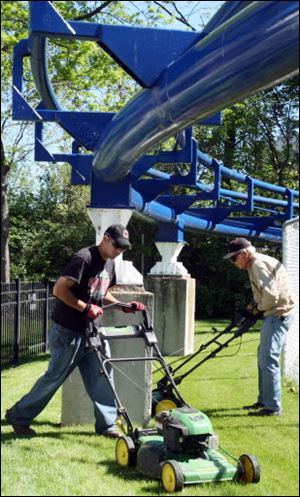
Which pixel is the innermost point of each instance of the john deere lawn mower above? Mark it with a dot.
(182, 448)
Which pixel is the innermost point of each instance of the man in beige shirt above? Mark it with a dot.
(272, 298)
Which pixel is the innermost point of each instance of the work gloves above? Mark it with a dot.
(93, 311)
(135, 306)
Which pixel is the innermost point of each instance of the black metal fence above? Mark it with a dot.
(25, 318)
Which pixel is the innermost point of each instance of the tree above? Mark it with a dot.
(14, 29)
(5, 259)
(48, 226)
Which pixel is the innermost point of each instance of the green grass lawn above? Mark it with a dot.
(74, 461)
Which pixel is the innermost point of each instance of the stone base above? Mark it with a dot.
(174, 312)
(132, 379)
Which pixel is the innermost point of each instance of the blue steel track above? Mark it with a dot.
(245, 48)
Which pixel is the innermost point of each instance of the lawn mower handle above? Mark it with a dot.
(117, 304)
(122, 305)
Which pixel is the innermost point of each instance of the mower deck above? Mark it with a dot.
(214, 467)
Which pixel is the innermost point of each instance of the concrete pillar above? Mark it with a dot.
(174, 312)
(126, 273)
(103, 218)
(132, 379)
(174, 293)
(169, 265)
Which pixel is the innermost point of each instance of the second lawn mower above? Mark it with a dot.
(164, 396)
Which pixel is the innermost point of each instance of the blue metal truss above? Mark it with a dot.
(247, 46)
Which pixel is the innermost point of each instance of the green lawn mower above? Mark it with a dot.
(182, 448)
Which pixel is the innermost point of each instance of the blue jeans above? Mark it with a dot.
(272, 338)
(69, 350)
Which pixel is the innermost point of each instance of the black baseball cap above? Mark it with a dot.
(120, 236)
(236, 246)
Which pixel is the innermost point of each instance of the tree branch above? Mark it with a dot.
(93, 13)
(180, 19)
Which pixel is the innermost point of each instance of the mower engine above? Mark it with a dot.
(186, 430)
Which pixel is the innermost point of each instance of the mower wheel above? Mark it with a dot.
(249, 469)
(164, 404)
(172, 476)
(125, 452)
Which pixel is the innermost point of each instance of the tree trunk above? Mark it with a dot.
(5, 262)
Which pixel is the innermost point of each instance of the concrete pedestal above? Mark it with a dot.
(174, 312)
(132, 379)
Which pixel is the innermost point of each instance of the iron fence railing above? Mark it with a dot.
(25, 318)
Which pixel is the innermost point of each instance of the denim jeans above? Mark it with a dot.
(272, 338)
(69, 350)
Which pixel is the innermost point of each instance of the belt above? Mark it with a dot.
(283, 318)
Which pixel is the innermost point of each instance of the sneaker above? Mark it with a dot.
(256, 405)
(19, 429)
(265, 412)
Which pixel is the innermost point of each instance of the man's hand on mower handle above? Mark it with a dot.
(93, 311)
(135, 306)
(253, 311)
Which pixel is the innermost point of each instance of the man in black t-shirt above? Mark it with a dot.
(81, 291)
(89, 276)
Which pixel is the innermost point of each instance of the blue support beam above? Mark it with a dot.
(170, 232)
(107, 196)
(247, 46)
(138, 56)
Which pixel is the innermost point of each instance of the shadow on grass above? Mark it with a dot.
(58, 431)
(8, 437)
(223, 414)
(133, 474)
(37, 423)
(152, 486)
(221, 378)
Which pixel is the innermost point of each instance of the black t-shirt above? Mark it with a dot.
(93, 276)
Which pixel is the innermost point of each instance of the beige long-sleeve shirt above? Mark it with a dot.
(270, 286)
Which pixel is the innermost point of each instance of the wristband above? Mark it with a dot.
(87, 308)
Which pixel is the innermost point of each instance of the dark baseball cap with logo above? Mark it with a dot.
(236, 246)
(120, 236)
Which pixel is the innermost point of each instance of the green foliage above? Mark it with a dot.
(48, 226)
(144, 253)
